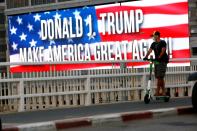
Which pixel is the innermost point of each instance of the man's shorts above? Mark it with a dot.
(160, 70)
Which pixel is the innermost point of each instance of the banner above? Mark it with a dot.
(97, 33)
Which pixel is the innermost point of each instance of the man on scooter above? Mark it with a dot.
(159, 48)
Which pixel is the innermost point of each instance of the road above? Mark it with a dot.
(172, 123)
(75, 112)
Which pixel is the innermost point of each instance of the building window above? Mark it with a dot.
(3, 48)
(16, 3)
(2, 20)
(2, 1)
(2, 59)
(2, 34)
(194, 51)
(39, 2)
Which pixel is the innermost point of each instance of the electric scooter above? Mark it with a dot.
(149, 91)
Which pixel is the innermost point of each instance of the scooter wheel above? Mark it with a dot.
(194, 97)
(146, 99)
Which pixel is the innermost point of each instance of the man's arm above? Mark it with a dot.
(148, 53)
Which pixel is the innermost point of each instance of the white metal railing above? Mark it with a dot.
(81, 62)
(43, 90)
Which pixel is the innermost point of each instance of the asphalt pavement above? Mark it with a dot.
(84, 111)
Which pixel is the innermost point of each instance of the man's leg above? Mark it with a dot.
(158, 80)
(159, 84)
(161, 74)
(158, 87)
(162, 86)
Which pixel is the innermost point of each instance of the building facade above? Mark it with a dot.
(3, 45)
(193, 28)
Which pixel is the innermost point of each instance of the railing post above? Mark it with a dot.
(190, 88)
(21, 94)
(29, 2)
(144, 84)
(191, 69)
(88, 95)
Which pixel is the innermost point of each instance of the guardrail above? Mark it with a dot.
(54, 89)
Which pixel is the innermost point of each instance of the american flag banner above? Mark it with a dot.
(97, 33)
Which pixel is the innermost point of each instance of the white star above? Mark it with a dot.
(23, 37)
(52, 42)
(14, 46)
(30, 27)
(57, 16)
(13, 30)
(39, 33)
(76, 13)
(66, 9)
(70, 40)
(33, 43)
(91, 36)
(19, 20)
(37, 17)
(47, 12)
(87, 20)
(85, 7)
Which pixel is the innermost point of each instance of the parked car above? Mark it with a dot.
(193, 77)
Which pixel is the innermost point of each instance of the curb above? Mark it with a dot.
(102, 119)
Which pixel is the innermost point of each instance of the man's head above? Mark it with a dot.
(156, 36)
